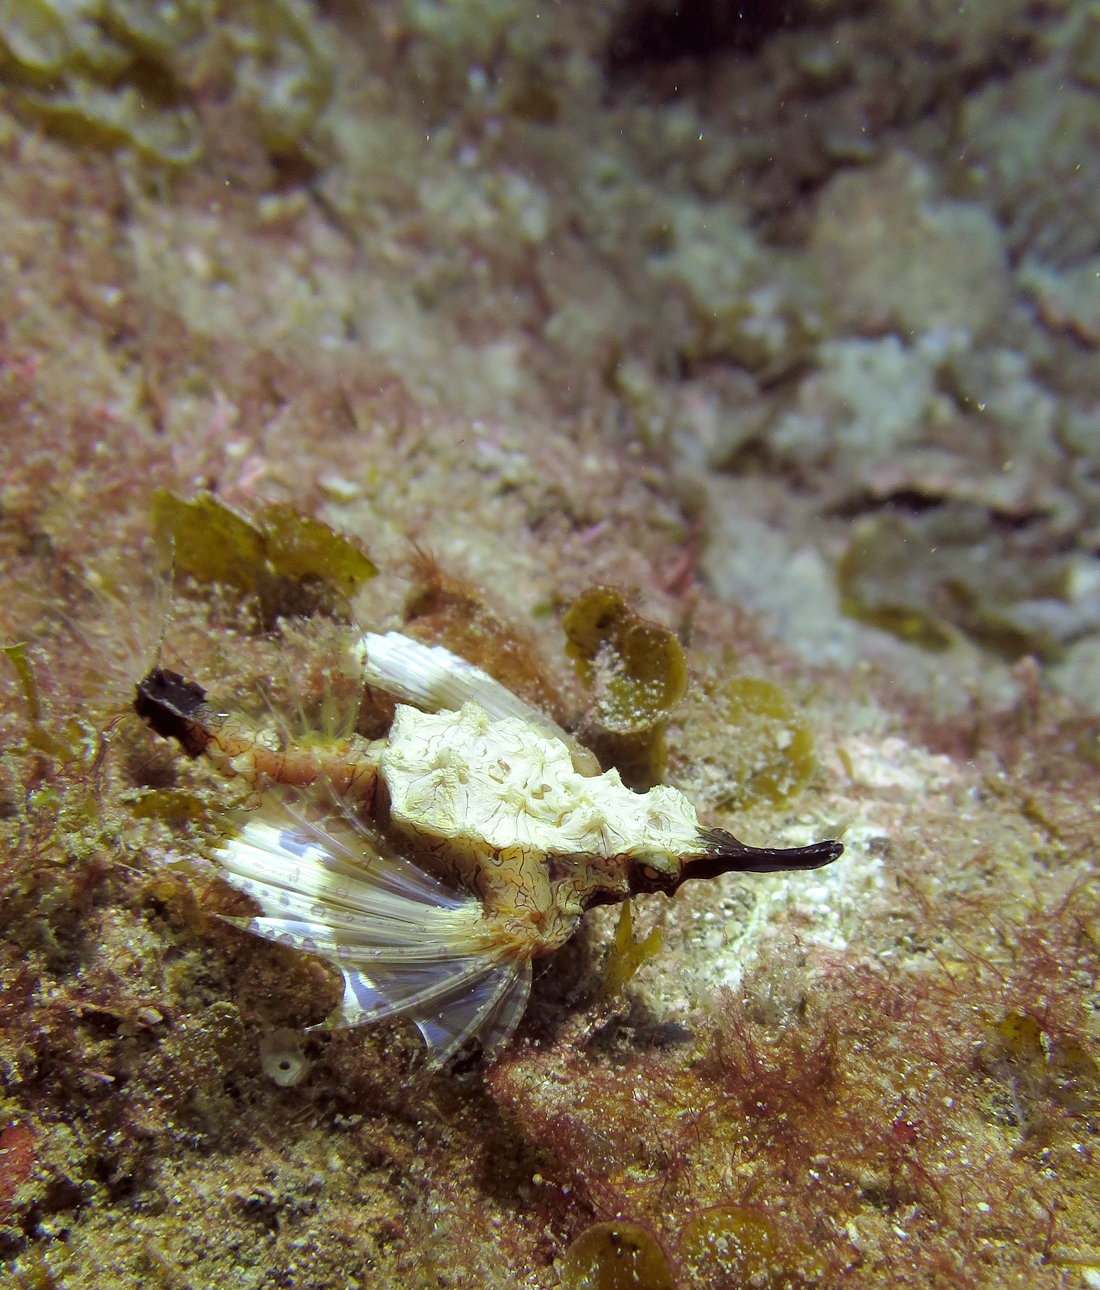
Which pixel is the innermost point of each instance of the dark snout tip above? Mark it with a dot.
(727, 854)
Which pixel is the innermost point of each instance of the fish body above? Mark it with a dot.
(433, 866)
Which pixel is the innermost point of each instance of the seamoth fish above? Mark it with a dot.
(433, 865)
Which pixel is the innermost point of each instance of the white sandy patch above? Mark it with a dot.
(894, 763)
(722, 930)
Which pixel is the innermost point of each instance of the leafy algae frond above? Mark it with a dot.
(628, 955)
(40, 737)
(291, 564)
(616, 1256)
(638, 673)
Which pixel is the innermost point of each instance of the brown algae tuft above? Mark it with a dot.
(444, 610)
(39, 737)
(1028, 1066)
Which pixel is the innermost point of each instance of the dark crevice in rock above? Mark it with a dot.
(663, 31)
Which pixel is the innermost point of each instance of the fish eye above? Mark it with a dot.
(647, 877)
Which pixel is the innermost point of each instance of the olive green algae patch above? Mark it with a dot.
(39, 737)
(616, 1256)
(758, 749)
(628, 955)
(290, 564)
(772, 750)
(732, 1245)
(637, 672)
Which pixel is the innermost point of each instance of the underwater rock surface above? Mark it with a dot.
(783, 328)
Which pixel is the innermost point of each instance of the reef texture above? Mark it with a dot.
(782, 321)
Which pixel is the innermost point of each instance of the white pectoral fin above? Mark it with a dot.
(433, 679)
(407, 944)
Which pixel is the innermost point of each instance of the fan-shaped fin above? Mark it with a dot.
(491, 1011)
(499, 1028)
(278, 843)
(365, 946)
(432, 678)
(406, 943)
(409, 989)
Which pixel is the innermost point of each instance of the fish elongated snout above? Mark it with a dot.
(727, 854)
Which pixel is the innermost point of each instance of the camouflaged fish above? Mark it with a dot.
(433, 865)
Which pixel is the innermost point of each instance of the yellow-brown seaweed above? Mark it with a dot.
(637, 672)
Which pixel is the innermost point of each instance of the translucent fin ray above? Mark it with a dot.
(488, 1011)
(395, 990)
(406, 943)
(433, 679)
(500, 1026)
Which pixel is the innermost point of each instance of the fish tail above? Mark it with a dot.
(176, 708)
